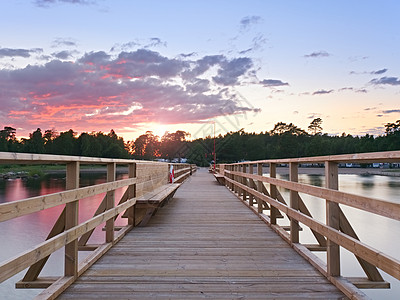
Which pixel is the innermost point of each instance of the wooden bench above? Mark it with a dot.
(220, 178)
(148, 204)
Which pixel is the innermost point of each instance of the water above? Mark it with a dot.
(22, 233)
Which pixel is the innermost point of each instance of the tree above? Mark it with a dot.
(35, 143)
(283, 128)
(392, 128)
(147, 146)
(173, 145)
(66, 143)
(315, 126)
(8, 139)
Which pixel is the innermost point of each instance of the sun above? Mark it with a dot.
(159, 129)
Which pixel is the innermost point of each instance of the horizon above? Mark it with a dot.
(163, 66)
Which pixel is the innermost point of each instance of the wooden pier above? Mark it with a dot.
(228, 234)
(204, 244)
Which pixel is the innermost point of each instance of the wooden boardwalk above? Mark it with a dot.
(204, 244)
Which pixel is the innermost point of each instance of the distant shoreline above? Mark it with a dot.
(353, 171)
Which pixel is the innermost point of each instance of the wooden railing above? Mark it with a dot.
(143, 178)
(261, 194)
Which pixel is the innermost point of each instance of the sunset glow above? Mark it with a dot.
(155, 66)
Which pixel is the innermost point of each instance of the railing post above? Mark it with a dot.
(332, 218)
(110, 202)
(273, 193)
(251, 197)
(294, 203)
(244, 182)
(71, 220)
(230, 177)
(259, 188)
(235, 179)
(132, 194)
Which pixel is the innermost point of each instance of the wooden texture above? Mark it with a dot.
(383, 261)
(203, 244)
(375, 206)
(332, 219)
(71, 220)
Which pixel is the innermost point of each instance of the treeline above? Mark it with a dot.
(283, 141)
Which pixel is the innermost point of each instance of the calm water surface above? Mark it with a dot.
(20, 234)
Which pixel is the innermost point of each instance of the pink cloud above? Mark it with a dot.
(99, 92)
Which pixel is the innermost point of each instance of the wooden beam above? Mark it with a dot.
(34, 270)
(110, 202)
(273, 192)
(332, 219)
(131, 194)
(71, 220)
(294, 202)
(370, 270)
(365, 283)
(38, 283)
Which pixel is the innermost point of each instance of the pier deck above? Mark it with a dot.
(204, 244)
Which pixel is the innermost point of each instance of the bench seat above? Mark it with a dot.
(148, 204)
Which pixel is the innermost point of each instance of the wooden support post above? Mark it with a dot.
(251, 197)
(232, 168)
(235, 178)
(132, 193)
(239, 179)
(260, 185)
(294, 203)
(273, 192)
(332, 219)
(110, 202)
(244, 182)
(71, 220)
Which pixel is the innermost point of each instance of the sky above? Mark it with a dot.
(196, 66)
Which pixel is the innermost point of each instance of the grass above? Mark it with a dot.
(39, 170)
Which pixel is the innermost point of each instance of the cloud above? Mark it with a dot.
(99, 91)
(247, 22)
(353, 89)
(379, 72)
(63, 42)
(317, 54)
(144, 44)
(273, 82)
(8, 52)
(154, 42)
(322, 92)
(46, 3)
(65, 54)
(391, 111)
(232, 70)
(386, 80)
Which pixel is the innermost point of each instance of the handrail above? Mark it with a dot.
(144, 177)
(336, 232)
